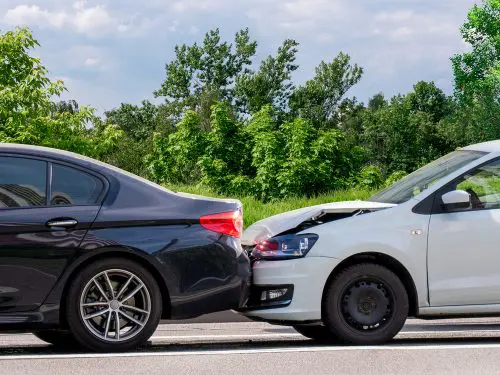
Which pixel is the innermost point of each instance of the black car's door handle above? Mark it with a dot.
(62, 223)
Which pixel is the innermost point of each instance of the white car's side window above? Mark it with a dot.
(483, 184)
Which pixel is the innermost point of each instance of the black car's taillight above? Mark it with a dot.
(228, 223)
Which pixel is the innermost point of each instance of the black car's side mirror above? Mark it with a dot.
(456, 200)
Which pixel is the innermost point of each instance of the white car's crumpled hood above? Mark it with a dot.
(280, 223)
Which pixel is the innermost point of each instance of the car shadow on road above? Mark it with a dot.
(49, 350)
(447, 327)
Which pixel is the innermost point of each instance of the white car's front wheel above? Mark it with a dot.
(365, 304)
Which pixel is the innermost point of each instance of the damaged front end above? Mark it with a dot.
(289, 236)
(304, 218)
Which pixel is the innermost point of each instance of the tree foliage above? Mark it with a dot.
(477, 76)
(271, 84)
(407, 132)
(318, 99)
(27, 114)
(207, 69)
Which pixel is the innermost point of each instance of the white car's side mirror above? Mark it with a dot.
(456, 200)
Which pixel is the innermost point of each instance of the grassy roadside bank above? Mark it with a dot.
(255, 210)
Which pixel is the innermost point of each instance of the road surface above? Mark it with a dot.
(438, 347)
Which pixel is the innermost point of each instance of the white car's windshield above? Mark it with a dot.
(423, 178)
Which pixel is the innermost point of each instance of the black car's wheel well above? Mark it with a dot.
(386, 261)
(117, 254)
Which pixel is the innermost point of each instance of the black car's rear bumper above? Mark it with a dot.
(231, 293)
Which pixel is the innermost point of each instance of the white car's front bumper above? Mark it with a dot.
(307, 275)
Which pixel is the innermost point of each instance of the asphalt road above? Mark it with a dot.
(439, 347)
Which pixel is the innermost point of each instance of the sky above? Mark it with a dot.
(113, 51)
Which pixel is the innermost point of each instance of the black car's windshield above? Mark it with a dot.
(423, 178)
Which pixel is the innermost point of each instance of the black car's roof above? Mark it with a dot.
(73, 158)
(98, 166)
(47, 152)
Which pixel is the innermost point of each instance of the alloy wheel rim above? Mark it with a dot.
(367, 304)
(115, 305)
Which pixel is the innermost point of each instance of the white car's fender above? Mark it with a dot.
(396, 232)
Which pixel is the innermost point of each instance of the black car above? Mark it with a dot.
(96, 256)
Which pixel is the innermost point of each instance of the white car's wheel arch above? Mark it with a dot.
(384, 260)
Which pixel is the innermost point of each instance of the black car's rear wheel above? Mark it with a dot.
(113, 305)
(365, 304)
(59, 338)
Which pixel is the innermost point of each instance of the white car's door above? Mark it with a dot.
(464, 245)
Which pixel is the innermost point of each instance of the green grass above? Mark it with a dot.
(254, 210)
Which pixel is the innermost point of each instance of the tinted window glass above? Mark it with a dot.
(23, 182)
(423, 178)
(74, 187)
(483, 184)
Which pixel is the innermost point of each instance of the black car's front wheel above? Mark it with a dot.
(365, 304)
(113, 305)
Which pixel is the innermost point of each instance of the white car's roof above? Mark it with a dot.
(491, 146)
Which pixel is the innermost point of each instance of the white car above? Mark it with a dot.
(428, 246)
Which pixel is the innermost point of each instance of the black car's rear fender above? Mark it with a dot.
(199, 271)
(56, 297)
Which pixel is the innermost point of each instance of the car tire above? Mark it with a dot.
(318, 333)
(58, 338)
(365, 304)
(113, 305)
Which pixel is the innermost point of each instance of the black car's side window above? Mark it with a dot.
(23, 182)
(72, 187)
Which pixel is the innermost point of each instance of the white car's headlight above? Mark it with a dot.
(287, 246)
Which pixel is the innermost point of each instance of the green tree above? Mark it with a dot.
(318, 99)
(268, 153)
(271, 84)
(478, 71)
(408, 132)
(427, 97)
(226, 159)
(350, 120)
(27, 113)
(477, 77)
(206, 71)
(70, 106)
(138, 122)
(174, 157)
(376, 101)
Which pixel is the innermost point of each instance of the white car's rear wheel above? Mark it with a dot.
(365, 304)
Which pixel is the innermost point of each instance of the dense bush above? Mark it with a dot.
(257, 157)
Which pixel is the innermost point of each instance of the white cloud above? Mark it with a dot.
(94, 20)
(34, 15)
(401, 32)
(184, 6)
(173, 26)
(395, 16)
(92, 61)
(303, 15)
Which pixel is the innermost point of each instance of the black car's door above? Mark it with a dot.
(45, 211)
